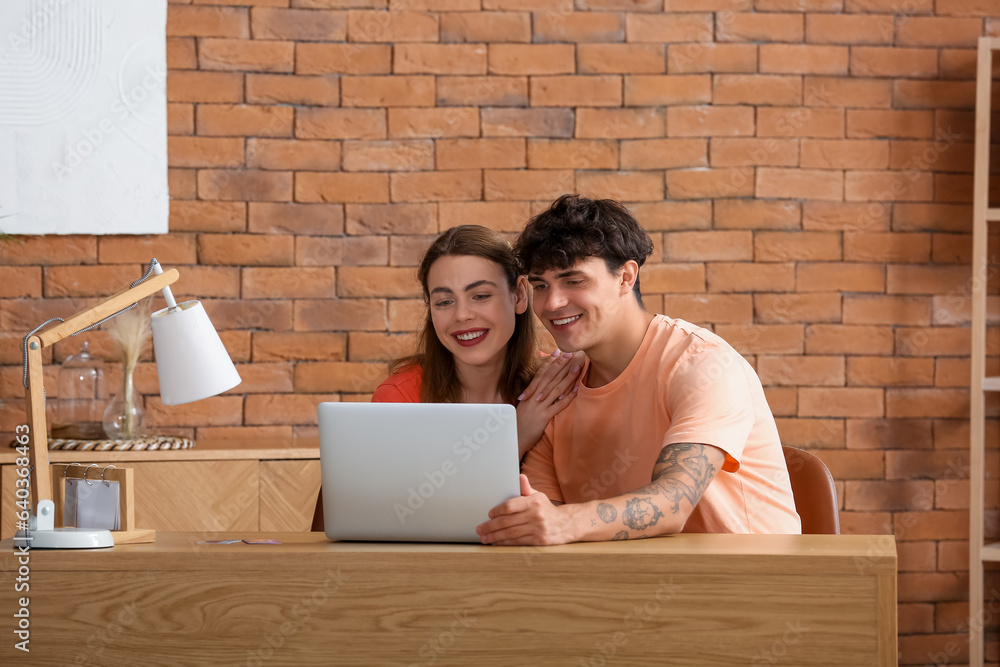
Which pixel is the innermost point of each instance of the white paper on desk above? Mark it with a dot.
(94, 505)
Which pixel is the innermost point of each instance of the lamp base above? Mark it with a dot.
(65, 538)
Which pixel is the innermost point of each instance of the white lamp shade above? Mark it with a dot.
(191, 360)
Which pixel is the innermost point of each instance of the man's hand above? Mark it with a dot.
(530, 519)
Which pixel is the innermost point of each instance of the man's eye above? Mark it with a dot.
(482, 297)
(538, 286)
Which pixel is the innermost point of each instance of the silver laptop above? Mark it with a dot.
(415, 472)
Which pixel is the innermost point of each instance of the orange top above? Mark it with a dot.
(685, 384)
(401, 387)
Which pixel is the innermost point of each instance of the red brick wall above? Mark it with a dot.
(804, 167)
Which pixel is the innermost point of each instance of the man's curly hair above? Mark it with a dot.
(575, 228)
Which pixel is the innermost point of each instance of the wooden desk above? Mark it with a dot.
(687, 600)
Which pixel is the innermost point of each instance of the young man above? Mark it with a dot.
(670, 431)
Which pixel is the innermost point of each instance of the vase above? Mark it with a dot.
(123, 416)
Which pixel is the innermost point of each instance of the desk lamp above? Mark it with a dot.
(191, 363)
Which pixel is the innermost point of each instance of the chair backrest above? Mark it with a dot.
(814, 491)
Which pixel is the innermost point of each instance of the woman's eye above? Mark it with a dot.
(443, 303)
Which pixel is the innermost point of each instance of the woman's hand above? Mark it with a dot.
(551, 390)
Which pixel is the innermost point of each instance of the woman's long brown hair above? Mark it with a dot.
(440, 379)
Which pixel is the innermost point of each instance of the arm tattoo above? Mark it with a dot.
(641, 513)
(620, 535)
(607, 512)
(677, 464)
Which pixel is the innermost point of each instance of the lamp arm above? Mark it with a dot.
(38, 454)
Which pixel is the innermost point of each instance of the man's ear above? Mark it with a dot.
(629, 274)
(521, 295)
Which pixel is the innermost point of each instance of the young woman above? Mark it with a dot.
(477, 343)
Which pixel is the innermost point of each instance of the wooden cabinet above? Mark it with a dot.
(268, 485)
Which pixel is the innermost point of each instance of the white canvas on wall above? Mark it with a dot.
(83, 127)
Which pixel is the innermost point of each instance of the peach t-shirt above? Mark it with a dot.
(685, 384)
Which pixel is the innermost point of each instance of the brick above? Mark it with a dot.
(575, 91)
(927, 402)
(621, 185)
(76, 281)
(210, 282)
(636, 123)
(413, 123)
(409, 250)
(244, 185)
(367, 346)
(918, 279)
(710, 308)
(583, 27)
(706, 5)
(502, 153)
(527, 185)
(180, 118)
(744, 151)
(482, 27)
(207, 216)
(245, 250)
(848, 339)
(780, 246)
(405, 155)
(204, 151)
(938, 31)
(932, 342)
(482, 91)
(710, 183)
(704, 121)
(519, 59)
(391, 219)
(958, 63)
(617, 5)
(801, 371)
(812, 433)
(334, 376)
(799, 184)
(965, 8)
(934, 94)
(299, 90)
(169, 250)
(267, 409)
(298, 282)
(341, 251)
(956, 372)
(575, 154)
(341, 187)
(298, 25)
(847, 216)
(782, 400)
(921, 217)
(894, 62)
(439, 59)
(923, 155)
(840, 402)
(429, 186)
(803, 59)
(673, 278)
(325, 315)
(655, 90)
(664, 153)
(757, 214)
(764, 338)
(805, 308)
(844, 277)
(293, 154)
(246, 55)
(21, 281)
(181, 53)
(709, 246)
(621, 58)
(500, 216)
(560, 7)
(886, 495)
(343, 58)
(696, 58)
(385, 91)
(214, 411)
(207, 21)
(887, 372)
(672, 215)
(799, 5)
(885, 434)
(204, 87)
(264, 378)
(759, 27)
(757, 89)
(885, 6)
(360, 281)
(669, 28)
(229, 120)
(850, 29)
(391, 27)
(750, 277)
(435, 5)
(823, 91)
(800, 122)
(886, 186)
(863, 309)
(182, 183)
(844, 154)
(267, 218)
(340, 124)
